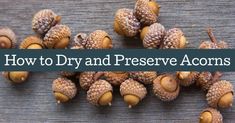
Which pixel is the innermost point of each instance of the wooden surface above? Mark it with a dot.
(33, 101)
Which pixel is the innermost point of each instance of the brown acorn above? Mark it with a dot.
(187, 78)
(145, 77)
(31, 42)
(210, 115)
(220, 94)
(116, 78)
(152, 36)
(147, 11)
(126, 23)
(86, 79)
(80, 39)
(16, 76)
(165, 87)
(63, 89)
(98, 39)
(132, 91)
(43, 20)
(57, 37)
(174, 39)
(7, 38)
(100, 93)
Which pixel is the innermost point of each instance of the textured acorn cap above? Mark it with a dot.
(216, 91)
(67, 73)
(187, 80)
(126, 23)
(207, 45)
(95, 40)
(144, 13)
(216, 115)
(172, 39)
(154, 36)
(43, 20)
(77, 47)
(145, 77)
(116, 78)
(132, 87)
(86, 79)
(162, 93)
(10, 35)
(55, 35)
(30, 40)
(97, 89)
(65, 87)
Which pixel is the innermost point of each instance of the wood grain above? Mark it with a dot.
(33, 101)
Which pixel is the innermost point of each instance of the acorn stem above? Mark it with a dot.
(58, 102)
(129, 106)
(217, 76)
(98, 75)
(2, 44)
(22, 78)
(201, 118)
(211, 35)
(110, 104)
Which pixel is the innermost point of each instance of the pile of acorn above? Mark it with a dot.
(142, 20)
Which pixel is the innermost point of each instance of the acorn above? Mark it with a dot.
(7, 38)
(100, 93)
(116, 78)
(57, 37)
(125, 23)
(67, 73)
(152, 36)
(187, 78)
(44, 20)
(145, 77)
(132, 91)
(206, 79)
(174, 39)
(165, 87)
(220, 94)
(147, 11)
(63, 89)
(86, 79)
(98, 39)
(210, 115)
(16, 76)
(80, 39)
(31, 42)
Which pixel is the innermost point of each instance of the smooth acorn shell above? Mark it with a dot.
(31, 40)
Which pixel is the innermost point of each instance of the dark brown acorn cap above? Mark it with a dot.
(145, 77)
(80, 39)
(172, 39)
(116, 78)
(216, 116)
(86, 79)
(7, 38)
(31, 40)
(187, 78)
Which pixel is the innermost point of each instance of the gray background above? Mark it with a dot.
(33, 101)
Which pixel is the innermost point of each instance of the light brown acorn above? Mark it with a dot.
(165, 87)
(80, 39)
(63, 89)
(152, 36)
(132, 91)
(100, 93)
(125, 23)
(43, 20)
(145, 77)
(147, 11)
(16, 76)
(174, 39)
(220, 94)
(187, 78)
(86, 79)
(210, 115)
(31, 42)
(7, 38)
(99, 39)
(57, 37)
(116, 78)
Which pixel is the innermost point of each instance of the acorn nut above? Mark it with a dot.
(187, 78)
(116, 78)
(100, 93)
(31, 42)
(7, 38)
(86, 79)
(145, 77)
(210, 115)
(132, 91)
(16, 76)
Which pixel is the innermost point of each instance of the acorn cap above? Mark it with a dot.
(77, 47)
(216, 116)
(67, 73)
(217, 90)
(144, 12)
(208, 45)
(30, 40)
(10, 35)
(145, 77)
(43, 20)
(172, 39)
(55, 35)
(116, 78)
(187, 78)
(86, 79)
(154, 36)
(96, 39)
(97, 89)
(126, 23)
(132, 87)
(80, 39)
(65, 87)
(161, 92)
(222, 45)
